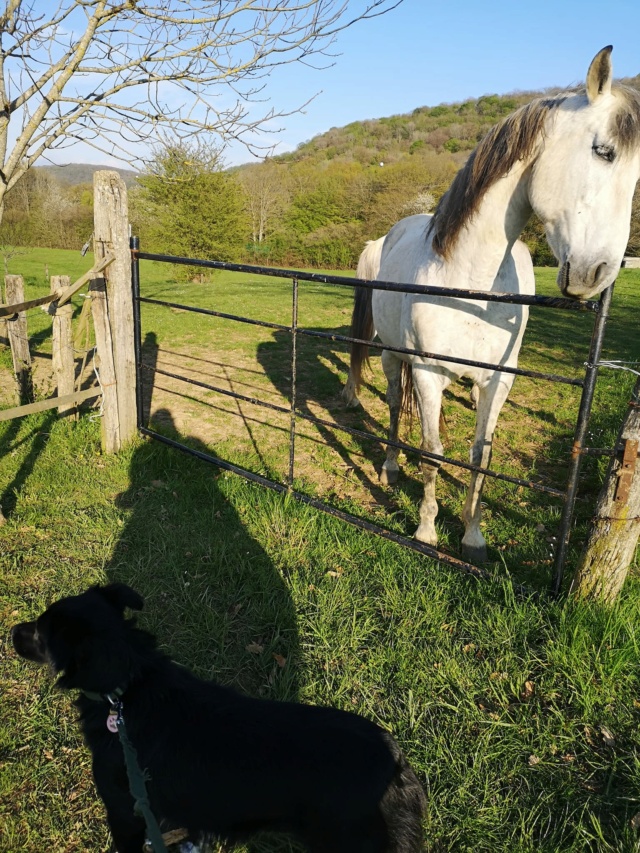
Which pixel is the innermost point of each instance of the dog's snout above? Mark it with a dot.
(26, 642)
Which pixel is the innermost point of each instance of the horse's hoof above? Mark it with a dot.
(475, 554)
(388, 477)
(427, 536)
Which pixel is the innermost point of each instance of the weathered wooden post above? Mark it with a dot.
(104, 345)
(4, 334)
(62, 344)
(616, 527)
(17, 328)
(111, 235)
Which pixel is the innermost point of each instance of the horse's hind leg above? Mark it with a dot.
(428, 390)
(490, 401)
(392, 367)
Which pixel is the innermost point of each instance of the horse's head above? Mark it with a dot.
(583, 179)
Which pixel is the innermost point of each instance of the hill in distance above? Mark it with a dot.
(82, 173)
(448, 128)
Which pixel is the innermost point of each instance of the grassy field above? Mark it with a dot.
(521, 716)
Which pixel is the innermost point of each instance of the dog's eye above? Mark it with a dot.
(604, 152)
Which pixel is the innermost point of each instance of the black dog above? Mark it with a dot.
(217, 762)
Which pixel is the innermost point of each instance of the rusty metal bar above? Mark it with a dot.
(421, 547)
(346, 281)
(586, 400)
(409, 448)
(294, 365)
(330, 336)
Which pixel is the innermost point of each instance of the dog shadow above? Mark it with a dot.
(213, 596)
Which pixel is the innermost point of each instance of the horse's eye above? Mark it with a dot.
(605, 152)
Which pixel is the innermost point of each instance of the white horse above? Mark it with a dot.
(574, 159)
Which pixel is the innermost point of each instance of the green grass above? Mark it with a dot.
(503, 705)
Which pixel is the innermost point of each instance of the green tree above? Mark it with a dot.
(187, 206)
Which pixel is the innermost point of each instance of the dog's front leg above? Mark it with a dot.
(127, 838)
(127, 829)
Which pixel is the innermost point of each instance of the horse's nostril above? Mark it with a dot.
(601, 271)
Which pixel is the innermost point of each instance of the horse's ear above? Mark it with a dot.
(600, 74)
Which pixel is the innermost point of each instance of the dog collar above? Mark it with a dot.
(111, 697)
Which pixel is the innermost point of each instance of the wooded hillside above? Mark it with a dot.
(314, 207)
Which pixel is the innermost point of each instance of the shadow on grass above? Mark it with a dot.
(8, 443)
(212, 595)
(320, 386)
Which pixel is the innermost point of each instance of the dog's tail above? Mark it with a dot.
(403, 806)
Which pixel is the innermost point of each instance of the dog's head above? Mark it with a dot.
(85, 638)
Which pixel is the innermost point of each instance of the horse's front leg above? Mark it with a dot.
(392, 367)
(490, 401)
(428, 389)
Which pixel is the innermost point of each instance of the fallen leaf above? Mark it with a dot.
(280, 660)
(255, 648)
(468, 648)
(635, 821)
(533, 760)
(527, 691)
(607, 736)
(158, 484)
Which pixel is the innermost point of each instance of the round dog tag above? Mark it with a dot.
(112, 722)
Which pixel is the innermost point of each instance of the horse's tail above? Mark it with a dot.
(408, 400)
(361, 327)
(362, 317)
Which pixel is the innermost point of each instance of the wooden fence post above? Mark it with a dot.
(4, 333)
(613, 538)
(17, 328)
(111, 234)
(110, 423)
(62, 345)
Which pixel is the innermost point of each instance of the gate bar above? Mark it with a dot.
(134, 244)
(430, 290)
(331, 336)
(586, 400)
(414, 544)
(294, 367)
(423, 454)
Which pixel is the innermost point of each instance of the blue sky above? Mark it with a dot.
(426, 53)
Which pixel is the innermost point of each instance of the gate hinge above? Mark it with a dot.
(626, 472)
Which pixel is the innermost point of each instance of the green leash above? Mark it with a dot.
(137, 777)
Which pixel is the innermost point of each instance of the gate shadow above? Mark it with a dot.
(320, 376)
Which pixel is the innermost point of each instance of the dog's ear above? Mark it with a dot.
(119, 596)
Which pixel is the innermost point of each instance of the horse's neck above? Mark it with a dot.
(484, 242)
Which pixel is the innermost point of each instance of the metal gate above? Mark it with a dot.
(599, 309)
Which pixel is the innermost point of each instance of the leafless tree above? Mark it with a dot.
(266, 194)
(110, 74)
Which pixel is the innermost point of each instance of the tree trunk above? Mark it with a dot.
(614, 534)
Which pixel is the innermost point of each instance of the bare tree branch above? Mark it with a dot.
(114, 74)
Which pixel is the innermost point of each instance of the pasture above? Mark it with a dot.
(520, 716)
